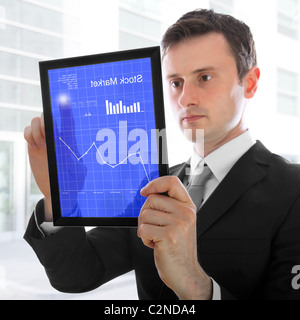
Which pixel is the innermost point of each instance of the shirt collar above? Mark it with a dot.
(224, 158)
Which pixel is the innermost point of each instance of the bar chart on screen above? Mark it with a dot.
(121, 108)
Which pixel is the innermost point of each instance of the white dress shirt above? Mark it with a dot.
(222, 160)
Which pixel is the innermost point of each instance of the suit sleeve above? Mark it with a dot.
(285, 256)
(277, 281)
(76, 261)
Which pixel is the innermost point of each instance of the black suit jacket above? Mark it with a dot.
(248, 238)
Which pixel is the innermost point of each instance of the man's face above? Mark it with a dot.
(204, 88)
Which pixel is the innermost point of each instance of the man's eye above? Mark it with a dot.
(176, 84)
(205, 77)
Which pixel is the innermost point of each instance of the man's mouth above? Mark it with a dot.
(192, 118)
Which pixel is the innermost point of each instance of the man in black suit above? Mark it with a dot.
(243, 240)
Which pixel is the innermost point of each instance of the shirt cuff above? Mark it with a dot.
(49, 229)
(216, 290)
(45, 228)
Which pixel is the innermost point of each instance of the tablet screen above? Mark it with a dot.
(104, 130)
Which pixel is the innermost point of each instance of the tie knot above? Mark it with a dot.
(200, 179)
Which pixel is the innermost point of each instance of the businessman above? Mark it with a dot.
(239, 239)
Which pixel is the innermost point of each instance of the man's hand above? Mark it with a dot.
(74, 169)
(167, 224)
(35, 137)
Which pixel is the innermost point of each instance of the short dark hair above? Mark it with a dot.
(203, 21)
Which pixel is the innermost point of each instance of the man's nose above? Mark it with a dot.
(189, 95)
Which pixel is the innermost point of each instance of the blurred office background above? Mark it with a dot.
(36, 30)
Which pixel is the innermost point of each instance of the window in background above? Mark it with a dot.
(145, 6)
(222, 6)
(291, 157)
(140, 23)
(30, 31)
(288, 93)
(288, 18)
(2, 17)
(6, 187)
(33, 194)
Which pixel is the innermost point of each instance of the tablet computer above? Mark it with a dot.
(105, 133)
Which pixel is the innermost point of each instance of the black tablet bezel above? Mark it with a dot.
(45, 66)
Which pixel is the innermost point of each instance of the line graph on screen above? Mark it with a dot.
(93, 145)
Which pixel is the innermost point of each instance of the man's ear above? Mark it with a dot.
(251, 82)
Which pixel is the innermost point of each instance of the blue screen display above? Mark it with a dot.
(104, 133)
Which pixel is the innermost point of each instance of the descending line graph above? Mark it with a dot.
(93, 145)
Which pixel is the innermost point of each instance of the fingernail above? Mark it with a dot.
(145, 188)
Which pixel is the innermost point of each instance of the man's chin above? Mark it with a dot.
(194, 135)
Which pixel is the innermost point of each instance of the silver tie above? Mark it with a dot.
(196, 186)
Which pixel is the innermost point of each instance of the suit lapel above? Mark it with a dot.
(249, 170)
(179, 170)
